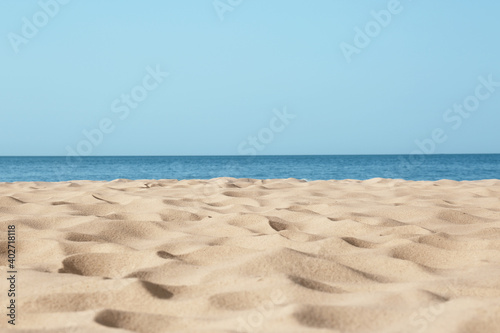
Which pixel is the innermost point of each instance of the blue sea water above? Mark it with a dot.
(414, 167)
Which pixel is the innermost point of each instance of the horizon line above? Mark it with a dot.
(266, 155)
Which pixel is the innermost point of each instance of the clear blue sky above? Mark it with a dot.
(227, 76)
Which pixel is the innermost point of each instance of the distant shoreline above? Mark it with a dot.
(310, 167)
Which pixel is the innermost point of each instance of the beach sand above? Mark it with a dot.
(242, 255)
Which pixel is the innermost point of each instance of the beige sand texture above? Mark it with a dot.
(243, 255)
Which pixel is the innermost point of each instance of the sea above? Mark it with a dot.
(308, 167)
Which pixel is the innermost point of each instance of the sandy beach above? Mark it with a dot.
(243, 255)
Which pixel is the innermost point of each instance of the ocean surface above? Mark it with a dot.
(410, 167)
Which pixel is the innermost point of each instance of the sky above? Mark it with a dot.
(239, 77)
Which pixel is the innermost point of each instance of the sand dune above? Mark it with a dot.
(243, 255)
